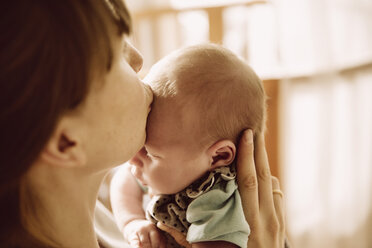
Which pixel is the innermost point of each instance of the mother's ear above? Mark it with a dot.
(221, 153)
(64, 148)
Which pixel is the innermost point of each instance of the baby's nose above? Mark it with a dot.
(137, 160)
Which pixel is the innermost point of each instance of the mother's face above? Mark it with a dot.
(116, 110)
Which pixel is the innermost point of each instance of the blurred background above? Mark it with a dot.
(315, 57)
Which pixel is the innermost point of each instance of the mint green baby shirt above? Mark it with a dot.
(218, 215)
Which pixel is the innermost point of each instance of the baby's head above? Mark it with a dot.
(214, 88)
(204, 97)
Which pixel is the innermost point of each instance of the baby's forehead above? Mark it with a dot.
(174, 110)
(171, 120)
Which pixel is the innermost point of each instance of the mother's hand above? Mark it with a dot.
(263, 208)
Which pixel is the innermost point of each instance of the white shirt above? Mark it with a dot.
(106, 229)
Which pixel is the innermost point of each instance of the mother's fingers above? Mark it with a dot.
(263, 210)
(278, 202)
(246, 175)
(266, 201)
(177, 235)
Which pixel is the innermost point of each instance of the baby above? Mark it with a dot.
(204, 97)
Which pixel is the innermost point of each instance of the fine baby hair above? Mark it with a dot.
(225, 93)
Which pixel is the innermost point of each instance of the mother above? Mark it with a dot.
(71, 108)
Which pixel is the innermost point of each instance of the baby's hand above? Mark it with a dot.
(141, 233)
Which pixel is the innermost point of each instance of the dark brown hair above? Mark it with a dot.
(48, 52)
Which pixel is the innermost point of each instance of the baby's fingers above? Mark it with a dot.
(145, 241)
(157, 239)
(134, 240)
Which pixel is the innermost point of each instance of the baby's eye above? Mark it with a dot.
(151, 156)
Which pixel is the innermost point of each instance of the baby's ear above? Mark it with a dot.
(221, 153)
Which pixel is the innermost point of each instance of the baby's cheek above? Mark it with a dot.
(166, 182)
(163, 177)
(156, 175)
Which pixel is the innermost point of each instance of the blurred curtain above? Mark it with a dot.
(327, 142)
(325, 49)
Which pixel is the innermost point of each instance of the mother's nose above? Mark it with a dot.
(135, 58)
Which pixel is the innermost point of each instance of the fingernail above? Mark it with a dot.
(249, 136)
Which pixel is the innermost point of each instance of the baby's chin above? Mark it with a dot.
(154, 191)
